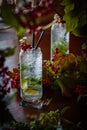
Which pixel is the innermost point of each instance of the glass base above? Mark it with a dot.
(37, 104)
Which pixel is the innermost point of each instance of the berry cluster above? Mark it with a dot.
(15, 78)
(61, 65)
(80, 89)
(24, 45)
(4, 81)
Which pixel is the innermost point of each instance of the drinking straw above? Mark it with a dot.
(38, 42)
(33, 39)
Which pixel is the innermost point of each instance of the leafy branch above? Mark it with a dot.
(76, 16)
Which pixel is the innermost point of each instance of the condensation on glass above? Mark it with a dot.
(59, 35)
(31, 74)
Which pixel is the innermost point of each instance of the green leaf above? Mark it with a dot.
(66, 2)
(71, 21)
(80, 31)
(78, 98)
(8, 14)
(69, 8)
(20, 31)
(84, 45)
(75, 16)
(83, 19)
(7, 52)
(62, 112)
(20, 125)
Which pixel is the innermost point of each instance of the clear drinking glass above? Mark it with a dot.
(59, 36)
(31, 76)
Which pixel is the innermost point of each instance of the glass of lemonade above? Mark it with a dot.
(31, 75)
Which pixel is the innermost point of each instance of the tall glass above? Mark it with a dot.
(31, 75)
(59, 36)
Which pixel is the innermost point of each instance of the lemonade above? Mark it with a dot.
(31, 74)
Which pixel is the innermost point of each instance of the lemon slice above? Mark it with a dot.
(30, 91)
(24, 84)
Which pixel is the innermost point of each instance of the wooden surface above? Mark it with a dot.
(58, 102)
(75, 113)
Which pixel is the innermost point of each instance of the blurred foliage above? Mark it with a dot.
(9, 17)
(7, 52)
(76, 16)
